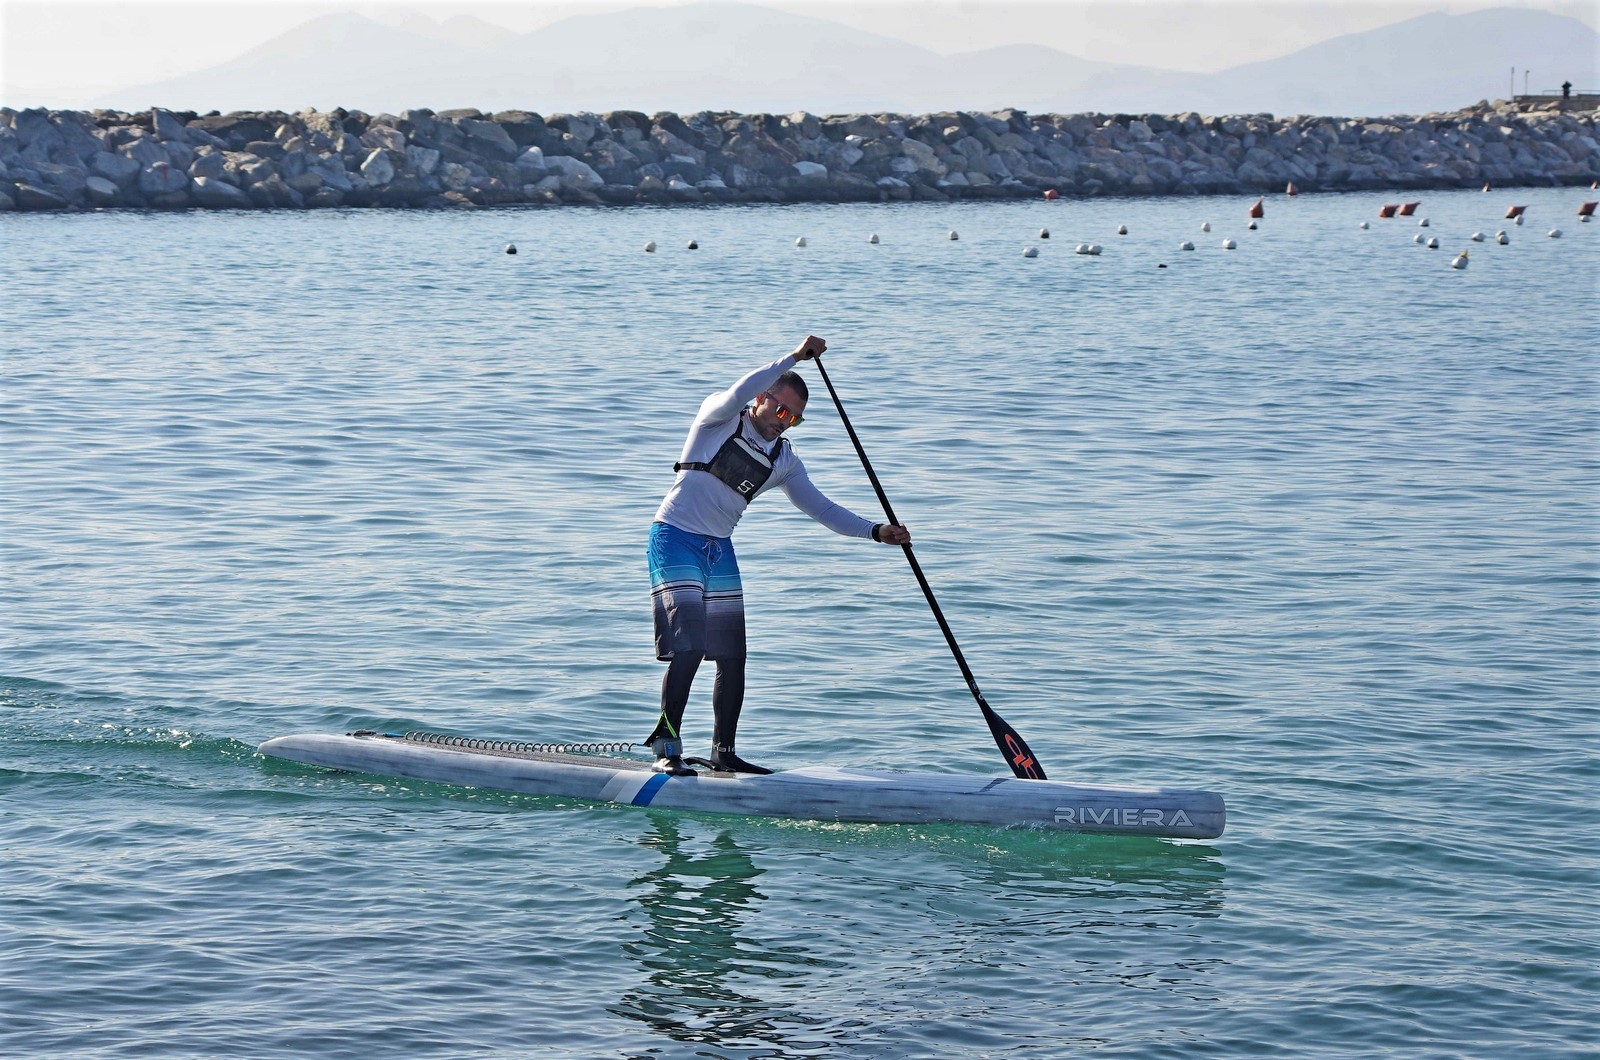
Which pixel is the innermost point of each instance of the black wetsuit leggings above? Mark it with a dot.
(727, 698)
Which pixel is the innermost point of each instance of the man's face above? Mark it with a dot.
(777, 410)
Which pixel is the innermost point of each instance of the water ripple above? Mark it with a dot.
(1311, 523)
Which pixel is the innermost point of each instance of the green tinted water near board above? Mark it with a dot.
(1310, 523)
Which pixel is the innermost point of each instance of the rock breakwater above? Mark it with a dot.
(66, 160)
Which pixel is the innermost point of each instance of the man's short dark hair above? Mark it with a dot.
(794, 381)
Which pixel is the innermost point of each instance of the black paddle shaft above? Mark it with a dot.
(1013, 746)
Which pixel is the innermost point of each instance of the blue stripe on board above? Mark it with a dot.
(649, 790)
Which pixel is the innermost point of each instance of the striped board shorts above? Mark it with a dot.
(695, 594)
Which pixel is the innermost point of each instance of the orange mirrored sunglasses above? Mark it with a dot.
(785, 414)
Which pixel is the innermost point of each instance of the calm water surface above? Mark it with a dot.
(1311, 523)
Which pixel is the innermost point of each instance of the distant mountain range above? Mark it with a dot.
(734, 56)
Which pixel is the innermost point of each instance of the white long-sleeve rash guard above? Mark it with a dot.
(702, 504)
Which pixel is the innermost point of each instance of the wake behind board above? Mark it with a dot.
(813, 793)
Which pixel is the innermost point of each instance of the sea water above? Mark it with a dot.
(1311, 523)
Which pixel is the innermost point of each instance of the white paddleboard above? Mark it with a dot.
(816, 793)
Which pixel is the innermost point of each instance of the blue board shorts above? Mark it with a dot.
(695, 594)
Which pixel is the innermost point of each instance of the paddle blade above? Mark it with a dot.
(1024, 765)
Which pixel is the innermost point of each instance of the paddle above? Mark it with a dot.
(1014, 747)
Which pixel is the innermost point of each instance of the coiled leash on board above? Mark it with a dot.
(474, 743)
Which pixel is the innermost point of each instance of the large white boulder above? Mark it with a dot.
(333, 173)
(114, 167)
(166, 126)
(212, 164)
(145, 151)
(218, 194)
(162, 178)
(809, 124)
(923, 156)
(422, 160)
(377, 169)
(384, 137)
(574, 172)
(102, 192)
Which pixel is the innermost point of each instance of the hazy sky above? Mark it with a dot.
(63, 52)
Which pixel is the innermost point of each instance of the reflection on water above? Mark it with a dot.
(699, 943)
(949, 919)
(1170, 877)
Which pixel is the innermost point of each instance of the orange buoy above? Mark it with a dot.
(1389, 209)
(1051, 194)
(1486, 185)
(1258, 210)
(1409, 208)
(1514, 211)
(1291, 189)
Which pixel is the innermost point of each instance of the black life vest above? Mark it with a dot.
(740, 465)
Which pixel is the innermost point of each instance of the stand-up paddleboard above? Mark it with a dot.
(815, 793)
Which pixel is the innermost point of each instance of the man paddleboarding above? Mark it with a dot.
(736, 451)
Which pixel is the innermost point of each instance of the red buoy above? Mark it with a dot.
(1291, 189)
(1587, 209)
(1408, 208)
(1388, 210)
(1514, 211)
(1051, 194)
(1258, 210)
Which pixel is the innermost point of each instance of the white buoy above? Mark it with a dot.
(1460, 261)
(1423, 223)
(1081, 248)
(1094, 248)
(1476, 237)
(954, 234)
(1501, 237)
(1518, 221)
(693, 245)
(1044, 233)
(1031, 252)
(800, 242)
(1555, 233)
(511, 248)
(1228, 244)
(873, 239)
(1252, 226)
(1186, 245)
(1417, 238)
(1205, 226)
(1365, 226)
(1433, 244)
(1122, 230)
(650, 247)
